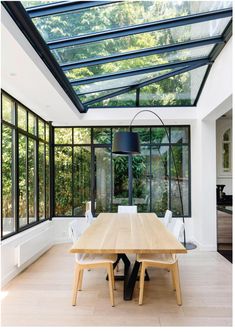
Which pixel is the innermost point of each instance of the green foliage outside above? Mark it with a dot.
(76, 186)
(173, 91)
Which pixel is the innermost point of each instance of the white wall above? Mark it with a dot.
(204, 184)
(218, 88)
(9, 249)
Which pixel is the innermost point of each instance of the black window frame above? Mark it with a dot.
(17, 130)
(51, 155)
(93, 145)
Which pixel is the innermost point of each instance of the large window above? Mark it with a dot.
(46, 175)
(86, 170)
(25, 187)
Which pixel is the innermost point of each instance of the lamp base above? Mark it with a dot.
(189, 245)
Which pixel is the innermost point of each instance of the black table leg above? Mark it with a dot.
(127, 264)
(129, 278)
(129, 283)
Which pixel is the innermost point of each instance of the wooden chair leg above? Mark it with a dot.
(173, 279)
(113, 279)
(177, 283)
(80, 280)
(142, 275)
(109, 270)
(75, 284)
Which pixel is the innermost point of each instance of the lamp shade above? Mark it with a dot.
(126, 143)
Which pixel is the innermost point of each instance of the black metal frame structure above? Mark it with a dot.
(24, 19)
(37, 140)
(151, 145)
(51, 147)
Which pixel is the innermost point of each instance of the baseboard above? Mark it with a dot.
(203, 247)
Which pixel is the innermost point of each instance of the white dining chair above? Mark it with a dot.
(163, 261)
(167, 218)
(91, 261)
(127, 208)
(89, 217)
(76, 228)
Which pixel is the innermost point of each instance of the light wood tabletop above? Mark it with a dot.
(141, 233)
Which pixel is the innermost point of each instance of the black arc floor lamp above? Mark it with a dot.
(129, 143)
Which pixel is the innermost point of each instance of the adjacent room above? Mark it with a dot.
(116, 163)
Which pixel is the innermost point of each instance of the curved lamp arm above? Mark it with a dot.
(128, 143)
(173, 158)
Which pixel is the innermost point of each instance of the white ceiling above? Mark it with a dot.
(26, 77)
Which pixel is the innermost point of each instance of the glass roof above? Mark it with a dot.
(133, 53)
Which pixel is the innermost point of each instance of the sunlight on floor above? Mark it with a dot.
(3, 295)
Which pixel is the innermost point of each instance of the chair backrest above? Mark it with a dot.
(89, 217)
(127, 209)
(178, 228)
(167, 218)
(74, 230)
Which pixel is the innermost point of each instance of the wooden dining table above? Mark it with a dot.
(123, 234)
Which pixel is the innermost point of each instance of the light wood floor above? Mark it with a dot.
(41, 295)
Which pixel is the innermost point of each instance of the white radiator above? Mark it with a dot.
(33, 246)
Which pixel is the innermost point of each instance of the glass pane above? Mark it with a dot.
(177, 90)
(140, 41)
(117, 129)
(144, 134)
(102, 135)
(226, 157)
(124, 100)
(226, 136)
(102, 180)
(8, 173)
(179, 135)
(82, 179)
(28, 4)
(63, 181)
(41, 183)
(116, 15)
(139, 63)
(22, 117)
(91, 96)
(47, 181)
(22, 180)
(120, 181)
(41, 129)
(118, 82)
(8, 109)
(141, 180)
(159, 135)
(160, 179)
(63, 135)
(47, 132)
(82, 135)
(32, 180)
(32, 124)
(181, 156)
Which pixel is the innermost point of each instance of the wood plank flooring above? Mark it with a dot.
(41, 295)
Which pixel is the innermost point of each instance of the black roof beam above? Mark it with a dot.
(128, 73)
(63, 7)
(141, 28)
(145, 52)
